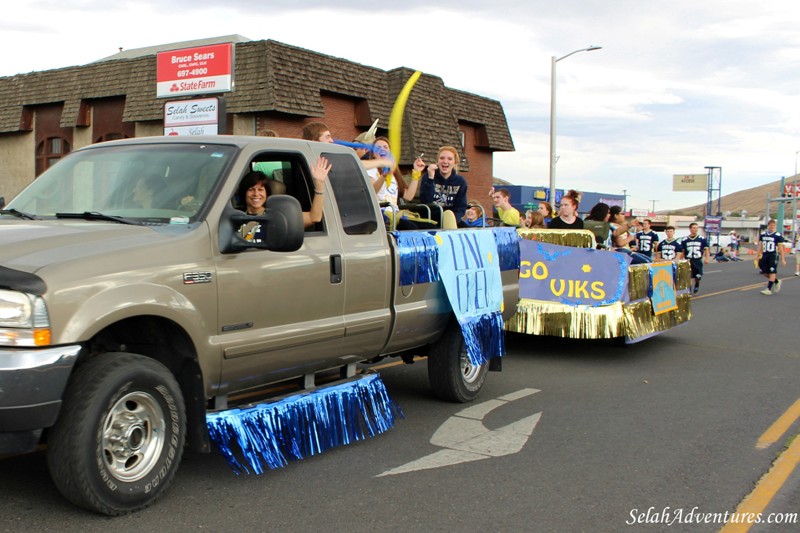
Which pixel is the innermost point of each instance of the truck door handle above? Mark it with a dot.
(336, 268)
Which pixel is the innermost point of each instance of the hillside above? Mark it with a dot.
(753, 200)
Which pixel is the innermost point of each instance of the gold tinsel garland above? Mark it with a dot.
(536, 317)
(641, 322)
(684, 277)
(633, 321)
(581, 238)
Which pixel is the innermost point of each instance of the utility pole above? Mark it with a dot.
(624, 200)
(654, 206)
(553, 157)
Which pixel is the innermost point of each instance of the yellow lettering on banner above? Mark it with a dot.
(571, 288)
(537, 271)
(540, 271)
(597, 290)
(581, 289)
(524, 269)
(560, 291)
(662, 276)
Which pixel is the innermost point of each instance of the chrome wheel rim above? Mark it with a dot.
(133, 436)
(469, 371)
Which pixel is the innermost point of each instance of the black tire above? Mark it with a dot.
(119, 437)
(452, 377)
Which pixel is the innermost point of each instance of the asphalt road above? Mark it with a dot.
(663, 426)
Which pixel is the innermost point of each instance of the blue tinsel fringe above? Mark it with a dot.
(419, 254)
(299, 426)
(484, 337)
(419, 257)
(507, 241)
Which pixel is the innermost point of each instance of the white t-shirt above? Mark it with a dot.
(385, 194)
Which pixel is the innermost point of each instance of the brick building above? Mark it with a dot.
(44, 115)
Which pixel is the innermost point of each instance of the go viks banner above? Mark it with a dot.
(572, 276)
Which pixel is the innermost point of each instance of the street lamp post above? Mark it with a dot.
(553, 62)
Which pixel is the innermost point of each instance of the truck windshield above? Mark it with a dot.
(164, 183)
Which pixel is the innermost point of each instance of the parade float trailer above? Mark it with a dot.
(570, 289)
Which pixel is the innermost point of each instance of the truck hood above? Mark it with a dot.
(29, 246)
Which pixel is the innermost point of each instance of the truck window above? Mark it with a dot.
(110, 179)
(287, 173)
(353, 200)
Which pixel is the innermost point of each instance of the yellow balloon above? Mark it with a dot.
(396, 118)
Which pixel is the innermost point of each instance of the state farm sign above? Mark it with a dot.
(200, 70)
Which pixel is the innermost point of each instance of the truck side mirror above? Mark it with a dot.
(282, 224)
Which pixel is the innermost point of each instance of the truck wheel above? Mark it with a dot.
(451, 374)
(119, 437)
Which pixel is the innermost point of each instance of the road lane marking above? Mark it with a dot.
(768, 486)
(779, 427)
(464, 437)
(744, 288)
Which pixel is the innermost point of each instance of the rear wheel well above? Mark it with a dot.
(168, 343)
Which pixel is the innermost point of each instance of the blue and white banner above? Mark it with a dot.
(662, 287)
(469, 268)
(572, 276)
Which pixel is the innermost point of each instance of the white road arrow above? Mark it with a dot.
(465, 438)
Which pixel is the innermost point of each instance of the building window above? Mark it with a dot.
(49, 151)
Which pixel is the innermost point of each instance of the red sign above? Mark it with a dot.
(204, 69)
(789, 187)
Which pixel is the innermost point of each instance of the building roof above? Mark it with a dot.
(152, 50)
(269, 77)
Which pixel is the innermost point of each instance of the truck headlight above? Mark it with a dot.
(23, 320)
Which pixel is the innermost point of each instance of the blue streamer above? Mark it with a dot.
(377, 150)
(484, 337)
(507, 240)
(554, 252)
(300, 426)
(418, 254)
(621, 290)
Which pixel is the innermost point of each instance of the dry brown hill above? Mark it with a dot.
(753, 200)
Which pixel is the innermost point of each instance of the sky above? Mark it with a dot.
(677, 86)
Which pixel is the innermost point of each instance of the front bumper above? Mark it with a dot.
(32, 382)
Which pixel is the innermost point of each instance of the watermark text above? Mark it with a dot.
(669, 516)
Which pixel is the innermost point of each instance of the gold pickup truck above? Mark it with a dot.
(131, 306)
